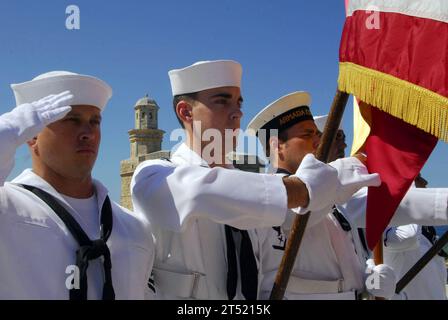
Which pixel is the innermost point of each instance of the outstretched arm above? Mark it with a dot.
(402, 238)
(170, 196)
(420, 206)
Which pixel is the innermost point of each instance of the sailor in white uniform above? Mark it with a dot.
(327, 266)
(404, 246)
(337, 151)
(190, 198)
(61, 237)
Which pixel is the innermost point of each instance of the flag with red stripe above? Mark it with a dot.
(394, 58)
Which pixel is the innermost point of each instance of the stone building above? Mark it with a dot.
(146, 144)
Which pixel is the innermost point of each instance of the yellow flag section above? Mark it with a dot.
(361, 125)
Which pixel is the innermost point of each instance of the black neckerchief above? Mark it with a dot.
(88, 249)
(248, 266)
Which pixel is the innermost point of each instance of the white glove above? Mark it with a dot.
(381, 280)
(28, 119)
(353, 175)
(321, 180)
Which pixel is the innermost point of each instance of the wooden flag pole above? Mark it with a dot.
(378, 252)
(300, 221)
(378, 257)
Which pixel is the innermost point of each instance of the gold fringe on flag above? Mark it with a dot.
(411, 103)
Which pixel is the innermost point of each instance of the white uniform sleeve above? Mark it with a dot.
(8, 143)
(171, 196)
(419, 206)
(402, 238)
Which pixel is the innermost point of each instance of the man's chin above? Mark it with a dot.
(87, 155)
(84, 167)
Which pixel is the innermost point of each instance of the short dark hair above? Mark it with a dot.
(189, 97)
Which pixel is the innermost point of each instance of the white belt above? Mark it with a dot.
(298, 285)
(182, 285)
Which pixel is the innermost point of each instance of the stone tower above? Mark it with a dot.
(146, 137)
(146, 143)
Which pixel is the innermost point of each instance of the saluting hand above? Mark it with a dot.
(30, 118)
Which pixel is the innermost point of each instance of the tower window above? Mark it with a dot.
(143, 115)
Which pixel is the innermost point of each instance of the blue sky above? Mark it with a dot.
(284, 46)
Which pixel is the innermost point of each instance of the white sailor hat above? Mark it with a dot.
(320, 122)
(87, 90)
(205, 75)
(283, 113)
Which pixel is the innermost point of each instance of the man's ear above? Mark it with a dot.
(277, 147)
(184, 111)
(32, 144)
(273, 144)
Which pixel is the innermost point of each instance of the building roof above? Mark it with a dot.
(146, 100)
